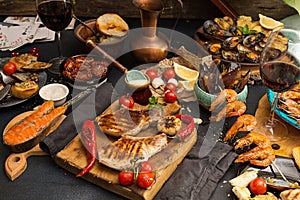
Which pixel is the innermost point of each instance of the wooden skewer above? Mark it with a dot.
(280, 172)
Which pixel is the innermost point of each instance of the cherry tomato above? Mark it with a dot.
(170, 86)
(145, 179)
(170, 96)
(145, 166)
(169, 73)
(127, 101)
(14, 54)
(126, 178)
(9, 68)
(152, 74)
(35, 52)
(258, 186)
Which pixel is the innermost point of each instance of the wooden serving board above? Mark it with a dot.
(73, 158)
(293, 140)
(16, 163)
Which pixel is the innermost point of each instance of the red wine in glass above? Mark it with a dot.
(278, 76)
(55, 15)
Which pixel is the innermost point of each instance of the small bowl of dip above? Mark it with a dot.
(136, 80)
(56, 92)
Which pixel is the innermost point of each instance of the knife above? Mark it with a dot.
(4, 91)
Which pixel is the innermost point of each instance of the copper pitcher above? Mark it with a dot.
(147, 47)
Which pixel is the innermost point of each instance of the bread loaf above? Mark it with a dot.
(111, 24)
(24, 89)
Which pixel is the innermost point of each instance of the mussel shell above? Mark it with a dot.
(235, 31)
(249, 54)
(222, 23)
(232, 42)
(231, 55)
(210, 27)
(253, 39)
(229, 20)
(214, 48)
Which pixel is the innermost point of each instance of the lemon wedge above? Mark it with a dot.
(185, 73)
(268, 22)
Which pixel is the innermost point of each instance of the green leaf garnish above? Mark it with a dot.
(245, 30)
(154, 103)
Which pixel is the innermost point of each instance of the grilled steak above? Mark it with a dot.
(121, 153)
(127, 122)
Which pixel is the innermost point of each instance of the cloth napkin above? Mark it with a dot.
(92, 106)
(199, 173)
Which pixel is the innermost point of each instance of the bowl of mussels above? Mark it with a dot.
(217, 76)
(240, 40)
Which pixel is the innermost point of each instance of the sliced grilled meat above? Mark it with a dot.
(122, 153)
(127, 122)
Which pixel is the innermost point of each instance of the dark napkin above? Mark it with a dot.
(199, 173)
(93, 105)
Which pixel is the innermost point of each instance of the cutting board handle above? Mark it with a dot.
(16, 163)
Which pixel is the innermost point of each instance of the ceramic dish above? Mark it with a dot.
(9, 100)
(205, 98)
(281, 113)
(56, 92)
(202, 38)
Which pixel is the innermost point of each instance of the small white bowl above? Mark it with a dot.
(56, 92)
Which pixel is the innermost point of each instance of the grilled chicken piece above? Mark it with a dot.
(127, 122)
(121, 154)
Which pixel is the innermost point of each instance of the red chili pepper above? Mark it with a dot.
(88, 137)
(184, 133)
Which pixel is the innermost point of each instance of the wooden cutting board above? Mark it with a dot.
(293, 140)
(73, 158)
(16, 163)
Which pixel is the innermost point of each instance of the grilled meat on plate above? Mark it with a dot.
(127, 122)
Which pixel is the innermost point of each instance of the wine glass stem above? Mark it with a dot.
(59, 44)
(273, 108)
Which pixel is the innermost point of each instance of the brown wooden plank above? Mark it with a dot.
(276, 9)
(193, 9)
(73, 158)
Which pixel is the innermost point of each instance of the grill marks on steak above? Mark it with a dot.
(121, 153)
(127, 122)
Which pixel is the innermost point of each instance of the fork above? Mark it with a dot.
(5, 78)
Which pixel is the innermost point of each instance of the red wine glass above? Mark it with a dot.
(279, 71)
(55, 15)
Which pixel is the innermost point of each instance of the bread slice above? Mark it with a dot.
(24, 89)
(112, 24)
(22, 60)
(243, 179)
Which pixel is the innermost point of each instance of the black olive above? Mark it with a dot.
(275, 146)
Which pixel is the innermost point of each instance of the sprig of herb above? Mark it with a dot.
(245, 30)
(154, 103)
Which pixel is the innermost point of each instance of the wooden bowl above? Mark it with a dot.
(112, 46)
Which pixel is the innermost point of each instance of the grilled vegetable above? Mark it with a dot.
(184, 133)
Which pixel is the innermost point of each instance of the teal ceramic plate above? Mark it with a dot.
(281, 113)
